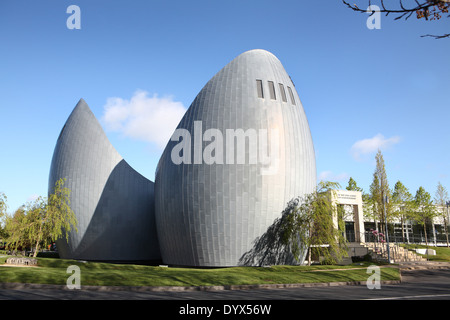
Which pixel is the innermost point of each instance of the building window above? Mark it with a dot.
(291, 94)
(272, 90)
(259, 88)
(283, 93)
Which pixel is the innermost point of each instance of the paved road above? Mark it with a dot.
(228, 304)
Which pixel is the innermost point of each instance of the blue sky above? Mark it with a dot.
(361, 89)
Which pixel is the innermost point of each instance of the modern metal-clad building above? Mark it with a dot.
(241, 152)
(113, 203)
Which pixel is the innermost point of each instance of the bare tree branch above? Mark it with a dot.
(403, 10)
(428, 9)
(437, 37)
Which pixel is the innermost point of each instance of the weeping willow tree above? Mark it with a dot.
(15, 230)
(307, 226)
(41, 221)
(317, 226)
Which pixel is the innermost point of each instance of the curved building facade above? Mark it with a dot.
(241, 152)
(113, 203)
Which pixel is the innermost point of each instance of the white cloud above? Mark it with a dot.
(330, 176)
(371, 145)
(152, 119)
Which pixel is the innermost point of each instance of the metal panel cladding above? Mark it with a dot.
(215, 196)
(114, 204)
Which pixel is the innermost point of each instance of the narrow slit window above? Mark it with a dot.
(272, 90)
(291, 94)
(283, 93)
(259, 88)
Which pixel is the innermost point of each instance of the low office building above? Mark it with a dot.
(360, 229)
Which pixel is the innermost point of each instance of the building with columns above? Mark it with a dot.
(358, 228)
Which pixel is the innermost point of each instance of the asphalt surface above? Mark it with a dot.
(418, 286)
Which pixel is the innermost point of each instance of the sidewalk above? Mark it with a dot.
(21, 286)
(421, 265)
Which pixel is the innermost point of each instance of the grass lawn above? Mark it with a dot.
(53, 271)
(442, 253)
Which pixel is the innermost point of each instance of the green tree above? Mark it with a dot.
(52, 219)
(352, 186)
(16, 232)
(424, 209)
(402, 199)
(43, 220)
(3, 205)
(371, 210)
(440, 199)
(36, 222)
(315, 224)
(306, 225)
(3, 214)
(379, 192)
(61, 215)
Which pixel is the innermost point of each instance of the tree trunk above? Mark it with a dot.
(310, 242)
(425, 231)
(37, 242)
(403, 229)
(36, 249)
(309, 256)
